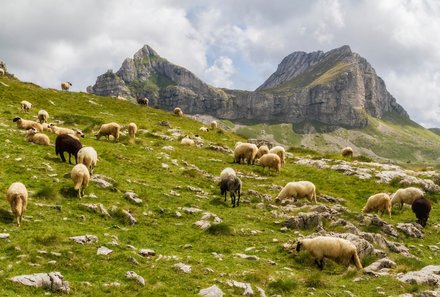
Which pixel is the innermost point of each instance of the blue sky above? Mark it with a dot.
(232, 44)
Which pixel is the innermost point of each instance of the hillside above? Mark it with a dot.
(178, 187)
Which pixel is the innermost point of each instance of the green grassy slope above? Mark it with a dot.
(138, 167)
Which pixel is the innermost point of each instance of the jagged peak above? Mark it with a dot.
(146, 51)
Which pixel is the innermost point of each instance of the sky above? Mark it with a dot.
(231, 44)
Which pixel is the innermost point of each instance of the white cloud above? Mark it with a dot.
(220, 72)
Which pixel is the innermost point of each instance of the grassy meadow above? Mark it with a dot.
(42, 243)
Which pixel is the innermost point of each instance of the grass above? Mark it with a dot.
(42, 243)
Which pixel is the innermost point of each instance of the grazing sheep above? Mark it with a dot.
(2, 72)
(25, 105)
(262, 150)
(143, 101)
(109, 129)
(88, 156)
(81, 177)
(347, 152)
(17, 197)
(237, 144)
(337, 249)
(421, 207)
(187, 141)
(65, 86)
(178, 112)
(37, 138)
(297, 190)
(406, 195)
(46, 127)
(67, 143)
(132, 130)
(279, 150)
(246, 151)
(271, 161)
(27, 124)
(43, 116)
(378, 202)
(61, 130)
(229, 182)
(203, 129)
(214, 125)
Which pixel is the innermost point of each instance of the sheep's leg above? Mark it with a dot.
(62, 157)
(69, 158)
(233, 199)
(238, 201)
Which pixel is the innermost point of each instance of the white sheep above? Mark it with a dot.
(25, 105)
(178, 111)
(187, 141)
(2, 72)
(227, 172)
(280, 151)
(17, 196)
(88, 156)
(229, 182)
(46, 127)
(378, 202)
(297, 190)
(214, 125)
(61, 130)
(203, 129)
(65, 86)
(27, 124)
(109, 129)
(406, 195)
(339, 250)
(132, 130)
(246, 151)
(43, 116)
(262, 150)
(270, 160)
(37, 138)
(347, 152)
(80, 176)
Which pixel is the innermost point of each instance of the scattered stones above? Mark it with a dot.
(165, 166)
(303, 220)
(102, 250)
(4, 235)
(190, 210)
(54, 206)
(380, 267)
(103, 181)
(97, 208)
(147, 252)
(384, 226)
(133, 197)
(183, 267)
(84, 239)
(248, 257)
(412, 230)
(53, 281)
(135, 276)
(168, 148)
(131, 219)
(220, 149)
(212, 291)
(429, 275)
(245, 286)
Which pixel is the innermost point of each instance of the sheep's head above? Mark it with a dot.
(299, 245)
(79, 133)
(32, 131)
(277, 200)
(16, 119)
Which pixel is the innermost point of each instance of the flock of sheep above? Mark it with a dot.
(339, 250)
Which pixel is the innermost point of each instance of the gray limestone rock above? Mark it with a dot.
(135, 276)
(212, 291)
(53, 281)
(412, 230)
(376, 267)
(429, 275)
(84, 239)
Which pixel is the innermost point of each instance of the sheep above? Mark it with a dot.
(37, 138)
(43, 116)
(246, 151)
(406, 195)
(66, 143)
(2, 72)
(65, 86)
(80, 177)
(17, 196)
(421, 207)
(187, 141)
(178, 112)
(230, 182)
(337, 249)
(214, 125)
(143, 101)
(46, 127)
(262, 150)
(132, 130)
(279, 150)
(203, 129)
(88, 156)
(347, 152)
(27, 124)
(378, 202)
(271, 161)
(109, 129)
(297, 190)
(25, 105)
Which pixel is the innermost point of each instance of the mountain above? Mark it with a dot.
(315, 91)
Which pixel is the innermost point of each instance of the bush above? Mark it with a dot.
(220, 229)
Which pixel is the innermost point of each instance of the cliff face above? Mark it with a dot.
(313, 90)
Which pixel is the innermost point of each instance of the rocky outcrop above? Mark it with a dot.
(315, 91)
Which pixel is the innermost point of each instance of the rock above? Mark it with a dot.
(103, 181)
(303, 220)
(428, 275)
(377, 266)
(261, 291)
(191, 210)
(135, 276)
(54, 206)
(248, 257)
(412, 230)
(84, 239)
(212, 291)
(133, 197)
(435, 293)
(245, 286)
(183, 267)
(147, 252)
(131, 219)
(102, 250)
(202, 224)
(220, 149)
(98, 208)
(4, 235)
(53, 281)
(385, 227)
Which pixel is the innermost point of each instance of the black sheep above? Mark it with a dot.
(421, 207)
(233, 185)
(67, 143)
